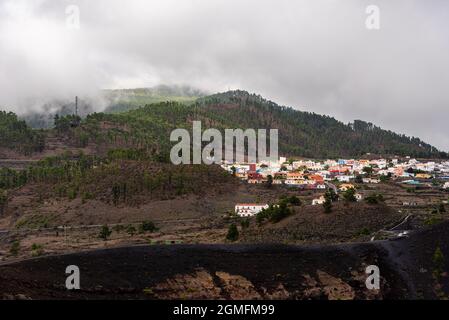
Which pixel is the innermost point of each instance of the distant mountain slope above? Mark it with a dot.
(309, 134)
(127, 99)
(300, 133)
(112, 101)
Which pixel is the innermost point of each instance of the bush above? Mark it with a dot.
(131, 230)
(279, 212)
(3, 200)
(244, 223)
(438, 262)
(349, 195)
(274, 213)
(233, 233)
(365, 232)
(374, 198)
(105, 233)
(147, 226)
(37, 250)
(294, 201)
(327, 205)
(15, 248)
(332, 195)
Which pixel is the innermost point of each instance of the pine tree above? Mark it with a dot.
(233, 233)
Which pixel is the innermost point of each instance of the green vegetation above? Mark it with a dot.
(113, 180)
(303, 134)
(245, 223)
(131, 230)
(374, 198)
(438, 263)
(148, 128)
(307, 134)
(430, 221)
(293, 200)
(128, 99)
(3, 200)
(37, 250)
(368, 170)
(233, 233)
(269, 183)
(105, 233)
(327, 205)
(349, 195)
(17, 136)
(274, 213)
(147, 226)
(329, 197)
(364, 232)
(34, 221)
(15, 248)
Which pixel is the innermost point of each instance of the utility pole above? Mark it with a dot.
(76, 106)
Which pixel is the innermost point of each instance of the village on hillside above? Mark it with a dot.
(339, 175)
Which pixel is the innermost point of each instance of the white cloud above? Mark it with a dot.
(314, 55)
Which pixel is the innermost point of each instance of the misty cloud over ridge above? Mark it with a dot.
(313, 55)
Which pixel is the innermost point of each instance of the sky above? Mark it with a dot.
(312, 55)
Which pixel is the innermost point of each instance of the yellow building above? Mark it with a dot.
(423, 176)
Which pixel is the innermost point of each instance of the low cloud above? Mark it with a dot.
(313, 55)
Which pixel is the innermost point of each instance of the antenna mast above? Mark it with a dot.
(76, 105)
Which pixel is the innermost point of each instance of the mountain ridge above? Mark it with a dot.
(301, 133)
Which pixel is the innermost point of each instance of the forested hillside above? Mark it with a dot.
(16, 135)
(148, 128)
(309, 134)
(300, 133)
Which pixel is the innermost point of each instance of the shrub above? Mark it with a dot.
(147, 226)
(279, 212)
(294, 201)
(233, 233)
(244, 223)
(438, 262)
(349, 195)
(327, 205)
(374, 198)
(105, 232)
(3, 200)
(131, 230)
(274, 213)
(15, 248)
(37, 250)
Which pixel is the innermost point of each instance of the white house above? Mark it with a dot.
(318, 201)
(249, 209)
(446, 185)
(321, 186)
(370, 180)
(344, 178)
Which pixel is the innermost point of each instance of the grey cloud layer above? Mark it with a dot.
(313, 55)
